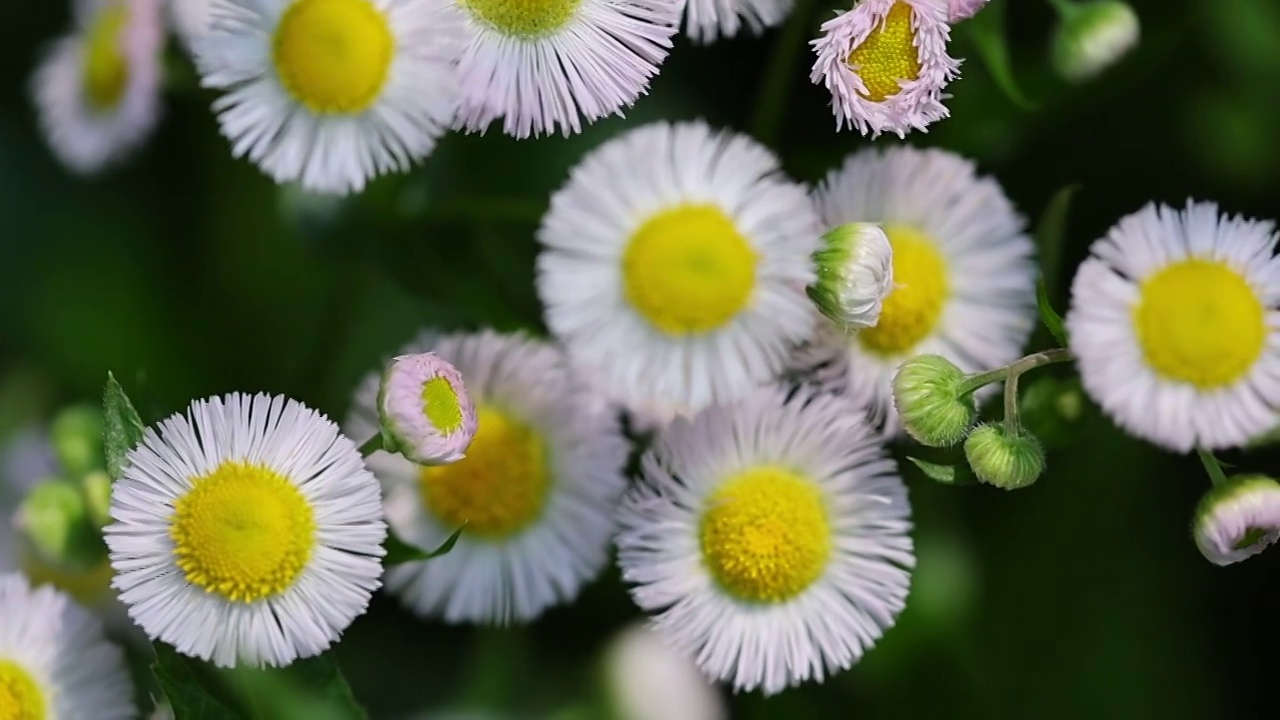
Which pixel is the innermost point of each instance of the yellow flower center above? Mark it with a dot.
(333, 55)
(243, 531)
(105, 71)
(499, 487)
(765, 534)
(915, 303)
(888, 56)
(523, 18)
(87, 585)
(688, 270)
(440, 405)
(20, 696)
(1199, 322)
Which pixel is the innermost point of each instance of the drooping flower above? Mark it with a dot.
(1238, 519)
(855, 275)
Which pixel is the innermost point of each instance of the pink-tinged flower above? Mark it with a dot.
(885, 63)
(709, 20)
(97, 90)
(424, 409)
(553, 64)
(958, 10)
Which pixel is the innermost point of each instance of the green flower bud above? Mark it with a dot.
(1004, 458)
(926, 392)
(54, 520)
(855, 275)
(1092, 36)
(1238, 519)
(76, 435)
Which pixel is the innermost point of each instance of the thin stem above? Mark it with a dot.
(371, 446)
(1011, 423)
(1030, 362)
(778, 81)
(1211, 466)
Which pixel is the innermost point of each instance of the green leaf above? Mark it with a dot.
(947, 474)
(193, 690)
(1051, 234)
(399, 551)
(987, 32)
(122, 426)
(1051, 319)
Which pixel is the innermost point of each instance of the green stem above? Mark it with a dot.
(1011, 423)
(371, 446)
(1030, 362)
(775, 90)
(1211, 466)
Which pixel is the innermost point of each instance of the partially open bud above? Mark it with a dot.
(425, 411)
(647, 680)
(958, 10)
(855, 274)
(1008, 459)
(76, 435)
(1092, 36)
(1238, 519)
(926, 392)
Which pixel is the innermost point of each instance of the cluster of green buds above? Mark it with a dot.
(60, 519)
(936, 406)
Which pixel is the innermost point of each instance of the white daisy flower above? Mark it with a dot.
(1175, 321)
(964, 279)
(535, 492)
(55, 661)
(332, 93)
(885, 64)
(97, 91)
(771, 537)
(675, 264)
(708, 20)
(247, 531)
(647, 679)
(424, 410)
(1238, 519)
(551, 64)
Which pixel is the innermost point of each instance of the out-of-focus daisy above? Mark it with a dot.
(1238, 519)
(535, 492)
(964, 280)
(647, 679)
(190, 19)
(551, 64)
(1175, 320)
(332, 93)
(708, 20)
(1092, 36)
(55, 661)
(247, 531)
(97, 90)
(771, 537)
(958, 10)
(885, 64)
(675, 264)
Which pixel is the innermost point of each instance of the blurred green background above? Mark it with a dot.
(188, 273)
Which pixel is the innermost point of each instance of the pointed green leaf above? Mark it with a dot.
(309, 689)
(1051, 319)
(399, 551)
(946, 474)
(1051, 235)
(122, 426)
(194, 692)
(987, 32)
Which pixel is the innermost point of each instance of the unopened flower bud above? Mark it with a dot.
(855, 274)
(958, 10)
(425, 411)
(1092, 36)
(1238, 519)
(76, 435)
(1008, 459)
(647, 680)
(926, 392)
